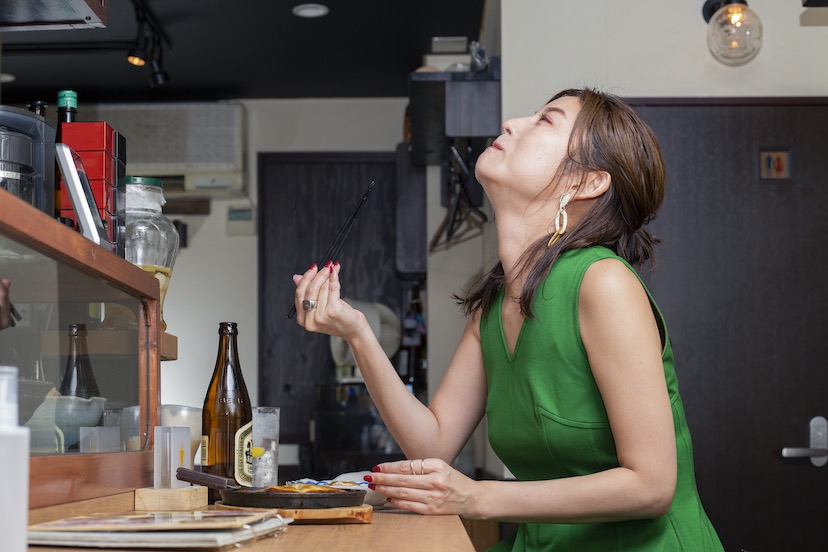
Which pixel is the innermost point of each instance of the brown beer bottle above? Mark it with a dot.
(227, 416)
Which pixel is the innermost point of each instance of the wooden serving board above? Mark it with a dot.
(322, 516)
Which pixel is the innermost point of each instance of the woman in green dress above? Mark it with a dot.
(564, 350)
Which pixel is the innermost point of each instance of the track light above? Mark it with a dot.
(734, 31)
(149, 44)
(159, 77)
(139, 53)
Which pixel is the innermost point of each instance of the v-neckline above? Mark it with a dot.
(511, 354)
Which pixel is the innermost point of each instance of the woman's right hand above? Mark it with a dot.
(329, 313)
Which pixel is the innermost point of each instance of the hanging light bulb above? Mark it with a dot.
(734, 31)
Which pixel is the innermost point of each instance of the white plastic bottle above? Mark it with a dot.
(14, 465)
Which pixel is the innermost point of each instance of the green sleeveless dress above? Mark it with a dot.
(546, 420)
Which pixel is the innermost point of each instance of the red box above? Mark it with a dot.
(106, 197)
(99, 165)
(97, 136)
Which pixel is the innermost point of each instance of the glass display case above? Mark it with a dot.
(85, 338)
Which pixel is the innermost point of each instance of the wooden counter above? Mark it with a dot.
(393, 530)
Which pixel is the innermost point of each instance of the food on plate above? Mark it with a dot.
(304, 488)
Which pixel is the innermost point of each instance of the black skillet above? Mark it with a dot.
(253, 497)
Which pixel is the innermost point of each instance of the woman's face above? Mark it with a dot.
(523, 159)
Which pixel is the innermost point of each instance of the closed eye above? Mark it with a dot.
(547, 115)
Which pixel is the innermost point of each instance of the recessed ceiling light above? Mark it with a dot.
(310, 10)
(6, 77)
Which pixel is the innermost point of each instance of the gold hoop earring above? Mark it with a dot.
(561, 220)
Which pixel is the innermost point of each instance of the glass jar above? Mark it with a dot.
(151, 238)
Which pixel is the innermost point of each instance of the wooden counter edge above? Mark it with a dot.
(399, 530)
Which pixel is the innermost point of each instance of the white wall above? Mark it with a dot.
(639, 48)
(216, 276)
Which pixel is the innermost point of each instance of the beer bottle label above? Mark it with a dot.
(244, 455)
(205, 444)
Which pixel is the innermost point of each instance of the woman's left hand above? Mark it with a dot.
(326, 312)
(427, 486)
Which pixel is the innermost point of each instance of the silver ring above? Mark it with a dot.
(308, 304)
(411, 467)
(422, 466)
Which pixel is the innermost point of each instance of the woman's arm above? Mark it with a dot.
(624, 349)
(438, 431)
(456, 408)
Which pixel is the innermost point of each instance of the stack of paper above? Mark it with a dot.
(198, 530)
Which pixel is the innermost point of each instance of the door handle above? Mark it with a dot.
(794, 452)
(818, 449)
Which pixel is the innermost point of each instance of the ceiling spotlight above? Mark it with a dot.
(139, 53)
(734, 31)
(158, 77)
(310, 10)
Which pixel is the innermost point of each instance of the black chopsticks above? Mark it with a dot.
(336, 245)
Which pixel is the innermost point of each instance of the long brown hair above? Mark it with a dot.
(607, 136)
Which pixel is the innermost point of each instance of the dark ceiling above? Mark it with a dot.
(223, 49)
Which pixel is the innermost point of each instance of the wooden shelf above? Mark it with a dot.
(451, 104)
(169, 347)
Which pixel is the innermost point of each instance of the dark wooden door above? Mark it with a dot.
(741, 278)
(303, 201)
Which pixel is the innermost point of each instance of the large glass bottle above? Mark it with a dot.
(67, 109)
(78, 379)
(151, 238)
(227, 416)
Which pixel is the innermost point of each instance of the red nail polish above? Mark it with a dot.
(336, 263)
(328, 264)
(372, 486)
(312, 266)
(368, 478)
(376, 469)
(332, 269)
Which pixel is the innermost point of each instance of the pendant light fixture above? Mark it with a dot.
(734, 31)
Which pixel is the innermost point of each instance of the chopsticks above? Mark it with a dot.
(336, 245)
(14, 315)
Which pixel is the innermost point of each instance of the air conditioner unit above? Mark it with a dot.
(195, 148)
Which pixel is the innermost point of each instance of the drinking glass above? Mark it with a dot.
(265, 447)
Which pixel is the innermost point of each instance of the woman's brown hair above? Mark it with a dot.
(608, 135)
